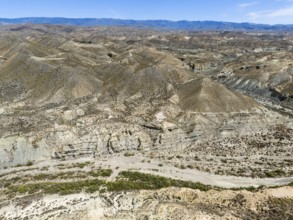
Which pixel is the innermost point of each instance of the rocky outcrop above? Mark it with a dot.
(169, 203)
(64, 143)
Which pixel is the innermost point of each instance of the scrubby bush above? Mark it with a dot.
(128, 154)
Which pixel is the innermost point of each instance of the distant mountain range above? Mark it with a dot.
(157, 24)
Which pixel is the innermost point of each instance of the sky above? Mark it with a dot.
(254, 11)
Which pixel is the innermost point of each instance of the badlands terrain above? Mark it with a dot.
(129, 123)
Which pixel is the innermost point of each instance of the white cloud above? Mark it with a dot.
(281, 15)
(246, 5)
(257, 14)
(283, 12)
(283, 0)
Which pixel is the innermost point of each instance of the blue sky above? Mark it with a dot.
(256, 11)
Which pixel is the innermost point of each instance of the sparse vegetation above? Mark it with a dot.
(128, 154)
(74, 165)
(101, 173)
(127, 180)
(62, 188)
(275, 173)
(29, 163)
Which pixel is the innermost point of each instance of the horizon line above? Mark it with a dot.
(130, 19)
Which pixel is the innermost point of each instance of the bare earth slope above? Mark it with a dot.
(203, 95)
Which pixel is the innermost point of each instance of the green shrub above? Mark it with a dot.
(147, 181)
(29, 163)
(59, 188)
(275, 173)
(101, 172)
(128, 154)
(82, 165)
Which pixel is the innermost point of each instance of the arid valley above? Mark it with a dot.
(136, 123)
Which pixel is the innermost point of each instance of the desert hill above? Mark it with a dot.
(132, 123)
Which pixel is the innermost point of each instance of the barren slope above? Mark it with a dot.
(78, 105)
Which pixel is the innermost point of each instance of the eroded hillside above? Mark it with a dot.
(195, 102)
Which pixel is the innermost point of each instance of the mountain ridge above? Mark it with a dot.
(156, 24)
